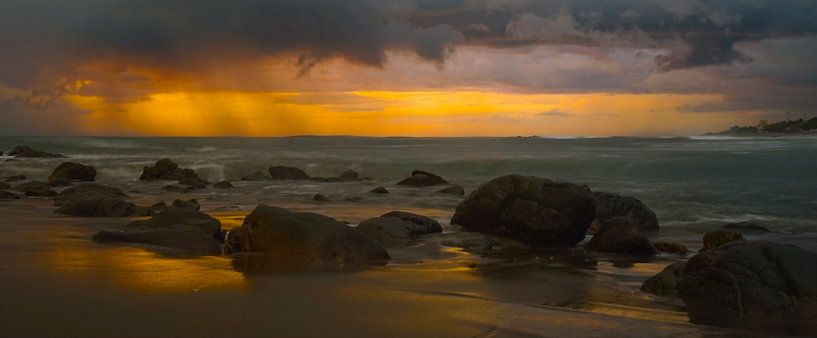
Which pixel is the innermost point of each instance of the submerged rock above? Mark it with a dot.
(88, 191)
(420, 178)
(346, 176)
(453, 190)
(379, 190)
(746, 227)
(223, 185)
(166, 170)
(36, 189)
(469, 241)
(26, 151)
(191, 242)
(534, 210)
(256, 176)
(304, 238)
(71, 171)
(742, 278)
(715, 239)
(98, 207)
(610, 205)
(320, 197)
(671, 247)
(15, 178)
(287, 173)
(620, 235)
(7, 195)
(665, 283)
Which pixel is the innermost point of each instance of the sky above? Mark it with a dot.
(403, 67)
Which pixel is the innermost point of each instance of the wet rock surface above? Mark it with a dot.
(665, 283)
(619, 235)
(35, 189)
(715, 239)
(87, 191)
(287, 173)
(671, 247)
(610, 205)
(166, 170)
(420, 178)
(71, 171)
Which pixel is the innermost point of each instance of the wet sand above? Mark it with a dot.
(57, 283)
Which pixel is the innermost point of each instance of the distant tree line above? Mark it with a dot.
(789, 126)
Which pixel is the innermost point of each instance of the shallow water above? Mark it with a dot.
(56, 282)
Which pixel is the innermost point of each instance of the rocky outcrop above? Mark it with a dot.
(379, 190)
(715, 239)
(99, 207)
(303, 239)
(256, 176)
(287, 173)
(746, 227)
(453, 190)
(742, 278)
(223, 185)
(36, 189)
(534, 210)
(671, 247)
(166, 170)
(8, 195)
(88, 191)
(398, 228)
(610, 205)
(619, 235)
(420, 178)
(665, 283)
(26, 151)
(71, 171)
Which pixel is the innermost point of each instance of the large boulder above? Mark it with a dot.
(166, 170)
(36, 188)
(98, 207)
(26, 151)
(749, 277)
(71, 171)
(665, 283)
(715, 239)
(303, 238)
(620, 235)
(89, 191)
(610, 205)
(420, 178)
(287, 173)
(534, 210)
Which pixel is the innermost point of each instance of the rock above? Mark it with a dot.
(1, 153)
(320, 197)
(390, 232)
(379, 190)
(191, 242)
(36, 188)
(610, 205)
(665, 283)
(304, 238)
(194, 182)
(15, 178)
(534, 210)
(176, 218)
(748, 227)
(26, 151)
(70, 171)
(7, 195)
(453, 190)
(756, 277)
(349, 175)
(421, 178)
(256, 176)
(60, 182)
(671, 247)
(223, 185)
(190, 204)
(88, 191)
(4, 186)
(715, 239)
(469, 241)
(428, 224)
(287, 173)
(98, 207)
(166, 170)
(620, 235)
(178, 188)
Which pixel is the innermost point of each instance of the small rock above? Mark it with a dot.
(287, 173)
(178, 188)
(746, 227)
(166, 170)
(428, 224)
(180, 219)
(379, 190)
(223, 185)
(194, 182)
(453, 190)
(256, 176)
(420, 178)
(26, 151)
(15, 178)
(671, 247)
(715, 239)
(619, 235)
(191, 204)
(36, 188)
(665, 283)
(70, 171)
(320, 197)
(349, 175)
